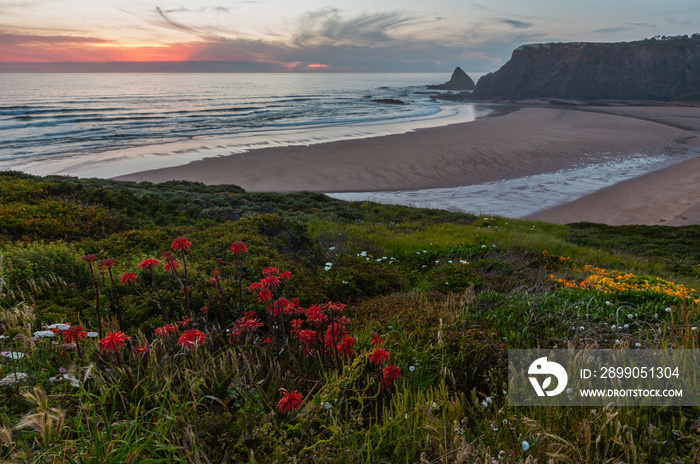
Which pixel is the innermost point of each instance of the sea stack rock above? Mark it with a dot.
(459, 81)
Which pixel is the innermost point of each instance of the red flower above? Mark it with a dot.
(270, 281)
(376, 339)
(391, 373)
(270, 271)
(255, 287)
(128, 278)
(379, 356)
(315, 315)
(238, 247)
(184, 323)
(267, 341)
(192, 338)
(264, 295)
(143, 348)
(291, 401)
(113, 340)
(88, 258)
(308, 337)
(334, 307)
(204, 309)
(286, 275)
(74, 334)
(165, 331)
(107, 263)
(167, 255)
(181, 243)
(171, 265)
(346, 346)
(335, 333)
(149, 263)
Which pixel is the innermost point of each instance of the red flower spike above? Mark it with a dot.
(286, 275)
(128, 278)
(89, 258)
(107, 263)
(74, 334)
(392, 372)
(143, 348)
(181, 243)
(376, 339)
(315, 315)
(291, 401)
(113, 340)
(192, 339)
(167, 255)
(265, 295)
(171, 265)
(346, 346)
(184, 323)
(255, 287)
(149, 263)
(238, 247)
(165, 331)
(270, 271)
(270, 281)
(379, 356)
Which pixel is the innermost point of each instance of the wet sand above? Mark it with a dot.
(527, 141)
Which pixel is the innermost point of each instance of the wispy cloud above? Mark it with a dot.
(517, 24)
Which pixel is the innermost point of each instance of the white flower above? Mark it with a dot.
(70, 377)
(485, 404)
(505, 421)
(630, 316)
(488, 399)
(93, 334)
(627, 326)
(693, 328)
(668, 310)
(582, 328)
(483, 246)
(364, 253)
(327, 405)
(12, 354)
(3, 336)
(569, 391)
(331, 248)
(613, 327)
(434, 404)
(412, 368)
(12, 379)
(608, 303)
(617, 342)
(656, 316)
(328, 266)
(44, 334)
(526, 445)
(638, 345)
(58, 326)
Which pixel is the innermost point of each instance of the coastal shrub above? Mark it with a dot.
(28, 268)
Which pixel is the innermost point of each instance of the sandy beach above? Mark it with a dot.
(527, 141)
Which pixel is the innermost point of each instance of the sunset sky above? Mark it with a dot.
(313, 35)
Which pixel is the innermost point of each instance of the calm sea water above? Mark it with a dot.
(110, 124)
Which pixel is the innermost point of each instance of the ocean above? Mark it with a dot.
(104, 125)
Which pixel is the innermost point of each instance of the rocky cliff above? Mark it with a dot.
(652, 69)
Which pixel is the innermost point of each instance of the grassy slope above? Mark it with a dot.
(450, 294)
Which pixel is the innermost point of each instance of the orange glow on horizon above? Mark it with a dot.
(42, 52)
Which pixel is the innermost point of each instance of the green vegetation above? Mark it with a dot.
(192, 366)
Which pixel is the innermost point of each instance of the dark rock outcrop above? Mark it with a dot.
(389, 101)
(665, 69)
(459, 81)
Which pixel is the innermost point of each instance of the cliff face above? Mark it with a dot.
(651, 69)
(459, 81)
